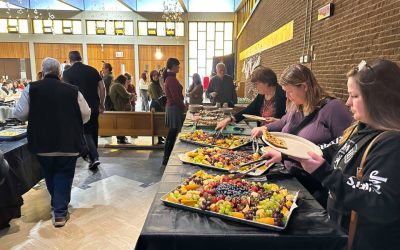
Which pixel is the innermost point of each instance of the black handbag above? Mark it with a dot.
(162, 101)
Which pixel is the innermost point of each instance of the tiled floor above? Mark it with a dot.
(108, 207)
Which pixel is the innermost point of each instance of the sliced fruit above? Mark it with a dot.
(266, 220)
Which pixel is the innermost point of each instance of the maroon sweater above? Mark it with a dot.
(173, 91)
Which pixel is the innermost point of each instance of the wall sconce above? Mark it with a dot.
(158, 55)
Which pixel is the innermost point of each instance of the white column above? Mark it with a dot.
(32, 60)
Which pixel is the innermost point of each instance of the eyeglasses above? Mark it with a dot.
(366, 74)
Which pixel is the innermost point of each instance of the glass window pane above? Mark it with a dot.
(67, 23)
(23, 26)
(211, 6)
(37, 26)
(210, 31)
(227, 47)
(192, 66)
(210, 49)
(13, 22)
(101, 24)
(219, 40)
(160, 28)
(202, 27)
(192, 49)
(202, 40)
(77, 27)
(192, 31)
(110, 28)
(57, 27)
(47, 23)
(180, 29)
(209, 68)
(152, 25)
(119, 24)
(170, 25)
(228, 31)
(91, 27)
(142, 28)
(219, 52)
(128, 28)
(219, 26)
(202, 72)
(3, 26)
(201, 60)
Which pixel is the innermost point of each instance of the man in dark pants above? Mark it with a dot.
(55, 112)
(92, 87)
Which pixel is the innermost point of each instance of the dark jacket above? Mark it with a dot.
(226, 92)
(195, 94)
(173, 91)
(54, 120)
(254, 107)
(120, 97)
(376, 198)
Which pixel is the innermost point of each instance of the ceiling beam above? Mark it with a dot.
(183, 4)
(78, 4)
(131, 4)
(20, 3)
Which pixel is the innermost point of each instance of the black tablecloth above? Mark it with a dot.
(171, 228)
(23, 175)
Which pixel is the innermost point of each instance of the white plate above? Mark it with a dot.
(297, 146)
(254, 117)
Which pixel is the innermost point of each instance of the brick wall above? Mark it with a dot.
(359, 29)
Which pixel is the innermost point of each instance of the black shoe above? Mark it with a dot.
(160, 142)
(94, 165)
(165, 161)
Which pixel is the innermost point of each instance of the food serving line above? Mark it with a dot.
(170, 225)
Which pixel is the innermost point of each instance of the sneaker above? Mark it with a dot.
(60, 221)
(94, 165)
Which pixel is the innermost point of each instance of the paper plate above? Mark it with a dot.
(254, 117)
(297, 146)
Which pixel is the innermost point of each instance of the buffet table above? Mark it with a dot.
(171, 228)
(23, 175)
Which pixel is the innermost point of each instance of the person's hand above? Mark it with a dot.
(213, 94)
(272, 155)
(270, 119)
(257, 132)
(222, 124)
(312, 164)
(102, 108)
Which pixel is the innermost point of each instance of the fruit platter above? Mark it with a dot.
(264, 205)
(12, 134)
(225, 160)
(209, 118)
(202, 138)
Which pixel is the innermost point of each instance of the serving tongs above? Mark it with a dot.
(217, 134)
(255, 146)
(241, 174)
(237, 168)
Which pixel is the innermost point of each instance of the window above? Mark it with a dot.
(57, 27)
(146, 28)
(19, 26)
(206, 40)
(109, 27)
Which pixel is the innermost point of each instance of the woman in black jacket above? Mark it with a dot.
(270, 103)
(369, 192)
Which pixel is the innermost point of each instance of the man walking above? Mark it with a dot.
(55, 112)
(92, 87)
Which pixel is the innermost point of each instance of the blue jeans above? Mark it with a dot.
(58, 173)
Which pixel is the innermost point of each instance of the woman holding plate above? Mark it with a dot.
(362, 171)
(270, 102)
(311, 114)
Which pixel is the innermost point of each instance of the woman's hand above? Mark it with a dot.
(270, 119)
(257, 132)
(222, 124)
(273, 156)
(312, 164)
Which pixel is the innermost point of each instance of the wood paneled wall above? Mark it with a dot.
(98, 53)
(146, 57)
(58, 51)
(14, 50)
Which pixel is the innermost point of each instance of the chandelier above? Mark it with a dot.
(172, 11)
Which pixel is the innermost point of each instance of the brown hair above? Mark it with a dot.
(128, 76)
(121, 79)
(152, 73)
(379, 83)
(264, 75)
(143, 76)
(295, 75)
(39, 76)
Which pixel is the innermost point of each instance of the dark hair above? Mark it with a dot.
(108, 66)
(143, 76)
(152, 73)
(196, 79)
(264, 75)
(74, 56)
(121, 79)
(128, 76)
(379, 83)
(170, 63)
(295, 75)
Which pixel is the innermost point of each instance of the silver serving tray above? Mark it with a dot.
(210, 145)
(255, 173)
(231, 218)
